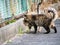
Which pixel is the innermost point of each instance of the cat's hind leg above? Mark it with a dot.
(47, 29)
(54, 27)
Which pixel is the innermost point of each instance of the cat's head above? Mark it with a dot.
(26, 20)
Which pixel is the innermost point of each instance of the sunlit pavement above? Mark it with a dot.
(39, 38)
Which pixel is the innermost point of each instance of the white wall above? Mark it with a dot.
(10, 30)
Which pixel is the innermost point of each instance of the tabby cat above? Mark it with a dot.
(39, 20)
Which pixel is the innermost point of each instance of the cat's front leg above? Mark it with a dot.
(29, 27)
(35, 28)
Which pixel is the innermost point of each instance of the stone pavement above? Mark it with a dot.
(39, 38)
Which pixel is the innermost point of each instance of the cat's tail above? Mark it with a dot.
(38, 6)
(55, 15)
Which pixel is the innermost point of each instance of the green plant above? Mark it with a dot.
(10, 21)
(20, 31)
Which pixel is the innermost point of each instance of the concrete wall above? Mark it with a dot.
(10, 30)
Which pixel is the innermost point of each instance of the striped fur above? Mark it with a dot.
(39, 20)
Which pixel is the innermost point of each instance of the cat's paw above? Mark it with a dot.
(46, 33)
(34, 32)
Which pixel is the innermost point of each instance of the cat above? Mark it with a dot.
(36, 20)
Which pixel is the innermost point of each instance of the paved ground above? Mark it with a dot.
(39, 38)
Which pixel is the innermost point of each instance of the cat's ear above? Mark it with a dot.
(24, 16)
